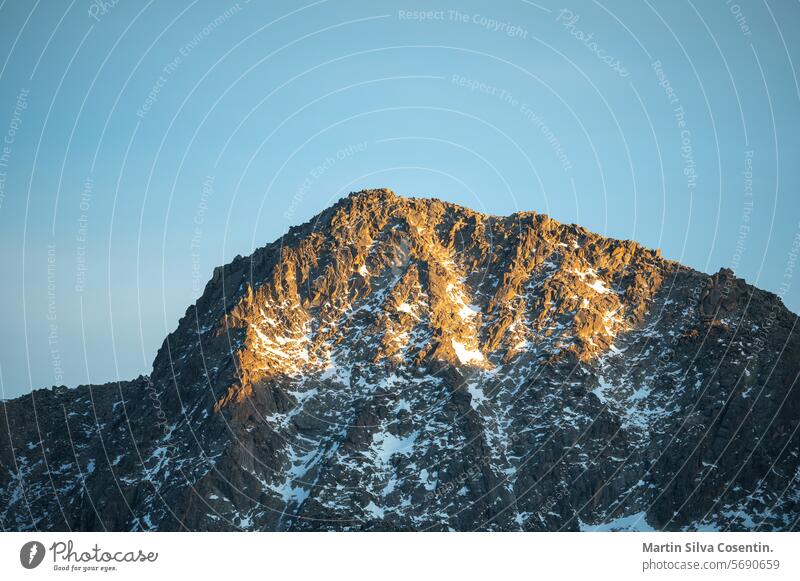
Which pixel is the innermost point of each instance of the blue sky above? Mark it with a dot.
(146, 143)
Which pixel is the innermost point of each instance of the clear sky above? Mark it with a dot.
(146, 143)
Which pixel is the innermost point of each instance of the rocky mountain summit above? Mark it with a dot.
(409, 364)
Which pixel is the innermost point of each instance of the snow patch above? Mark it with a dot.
(633, 523)
(477, 395)
(374, 510)
(386, 445)
(602, 389)
(466, 356)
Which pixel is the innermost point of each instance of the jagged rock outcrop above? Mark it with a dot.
(408, 364)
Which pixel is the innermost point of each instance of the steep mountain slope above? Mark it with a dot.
(408, 364)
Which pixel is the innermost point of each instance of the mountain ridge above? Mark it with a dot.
(408, 364)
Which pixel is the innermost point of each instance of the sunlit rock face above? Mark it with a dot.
(409, 364)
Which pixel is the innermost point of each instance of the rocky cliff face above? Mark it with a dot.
(407, 364)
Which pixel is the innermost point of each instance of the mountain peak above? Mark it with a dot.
(375, 195)
(400, 363)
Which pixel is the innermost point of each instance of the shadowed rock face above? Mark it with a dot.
(408, 364)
